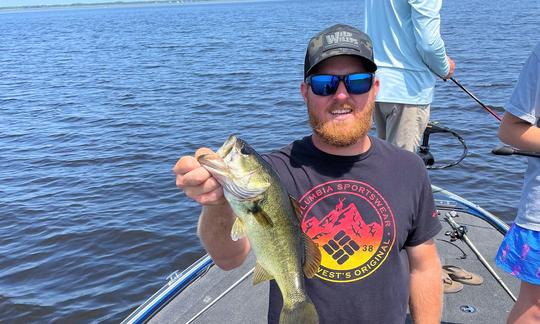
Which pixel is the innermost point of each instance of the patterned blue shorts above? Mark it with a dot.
(519, 254)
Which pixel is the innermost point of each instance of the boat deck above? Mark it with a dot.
(490, 302)
(486, 303)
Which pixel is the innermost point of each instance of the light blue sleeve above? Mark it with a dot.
(427, 21)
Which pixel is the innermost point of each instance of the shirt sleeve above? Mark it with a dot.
(524, 102)
(425, 16)
(425, 224)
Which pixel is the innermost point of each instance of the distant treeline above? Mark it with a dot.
(112, 3)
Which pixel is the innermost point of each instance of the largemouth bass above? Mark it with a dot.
(269, 218)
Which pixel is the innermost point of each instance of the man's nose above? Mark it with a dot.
(341, 91)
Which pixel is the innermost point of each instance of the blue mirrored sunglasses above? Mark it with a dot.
(327, 84)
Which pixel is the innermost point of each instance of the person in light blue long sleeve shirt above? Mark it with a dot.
(410, 54)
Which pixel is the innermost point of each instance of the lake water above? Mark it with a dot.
(97, 104)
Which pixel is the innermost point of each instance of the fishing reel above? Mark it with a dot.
(424, 152)
(457, 233)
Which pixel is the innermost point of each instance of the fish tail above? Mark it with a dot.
(303, 312)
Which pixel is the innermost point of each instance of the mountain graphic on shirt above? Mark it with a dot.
(347, 220)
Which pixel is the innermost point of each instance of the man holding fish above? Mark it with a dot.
(340, 220)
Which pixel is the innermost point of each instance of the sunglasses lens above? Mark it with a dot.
(324, 85)
(359, 83)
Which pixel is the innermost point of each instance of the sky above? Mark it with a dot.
(17, 3)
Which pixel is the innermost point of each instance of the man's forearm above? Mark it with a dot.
(214, 230)
(426, 283)
(426, 295)
(427, 21)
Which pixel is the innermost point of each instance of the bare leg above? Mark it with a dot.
(527, 308)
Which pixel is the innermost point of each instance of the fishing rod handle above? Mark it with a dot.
(508, 150)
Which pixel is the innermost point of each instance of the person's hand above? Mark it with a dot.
(452, 68)
(196, 182)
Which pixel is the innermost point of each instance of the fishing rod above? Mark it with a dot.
(503, 150)
(460, 233)
(508, 150)
(476, 99)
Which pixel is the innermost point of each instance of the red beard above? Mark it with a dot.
(343, 133)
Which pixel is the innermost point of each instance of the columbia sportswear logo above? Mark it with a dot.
(341, 247)
(341, 37)
(353, 225)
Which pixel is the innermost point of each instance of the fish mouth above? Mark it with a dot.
(220, 165)
(227, 147)
(226, 166)
(237, 188)
(214, 163)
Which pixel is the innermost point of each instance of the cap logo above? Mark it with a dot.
(339, 40)
(341, 37)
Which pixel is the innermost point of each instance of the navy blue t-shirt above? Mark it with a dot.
(362, 211)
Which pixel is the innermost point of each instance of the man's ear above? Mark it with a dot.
(375, 87)
(303, 90)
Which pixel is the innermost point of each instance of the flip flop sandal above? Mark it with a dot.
(450, 286)
(461, 275)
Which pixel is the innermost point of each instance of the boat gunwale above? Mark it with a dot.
(173, 287)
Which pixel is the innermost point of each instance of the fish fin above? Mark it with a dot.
(260, 274)
(300, 312)
(296, 207)
(312, 254)
(312, 257)
(261, 216)
(238, 229)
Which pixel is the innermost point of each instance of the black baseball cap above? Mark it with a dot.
(337, 40)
